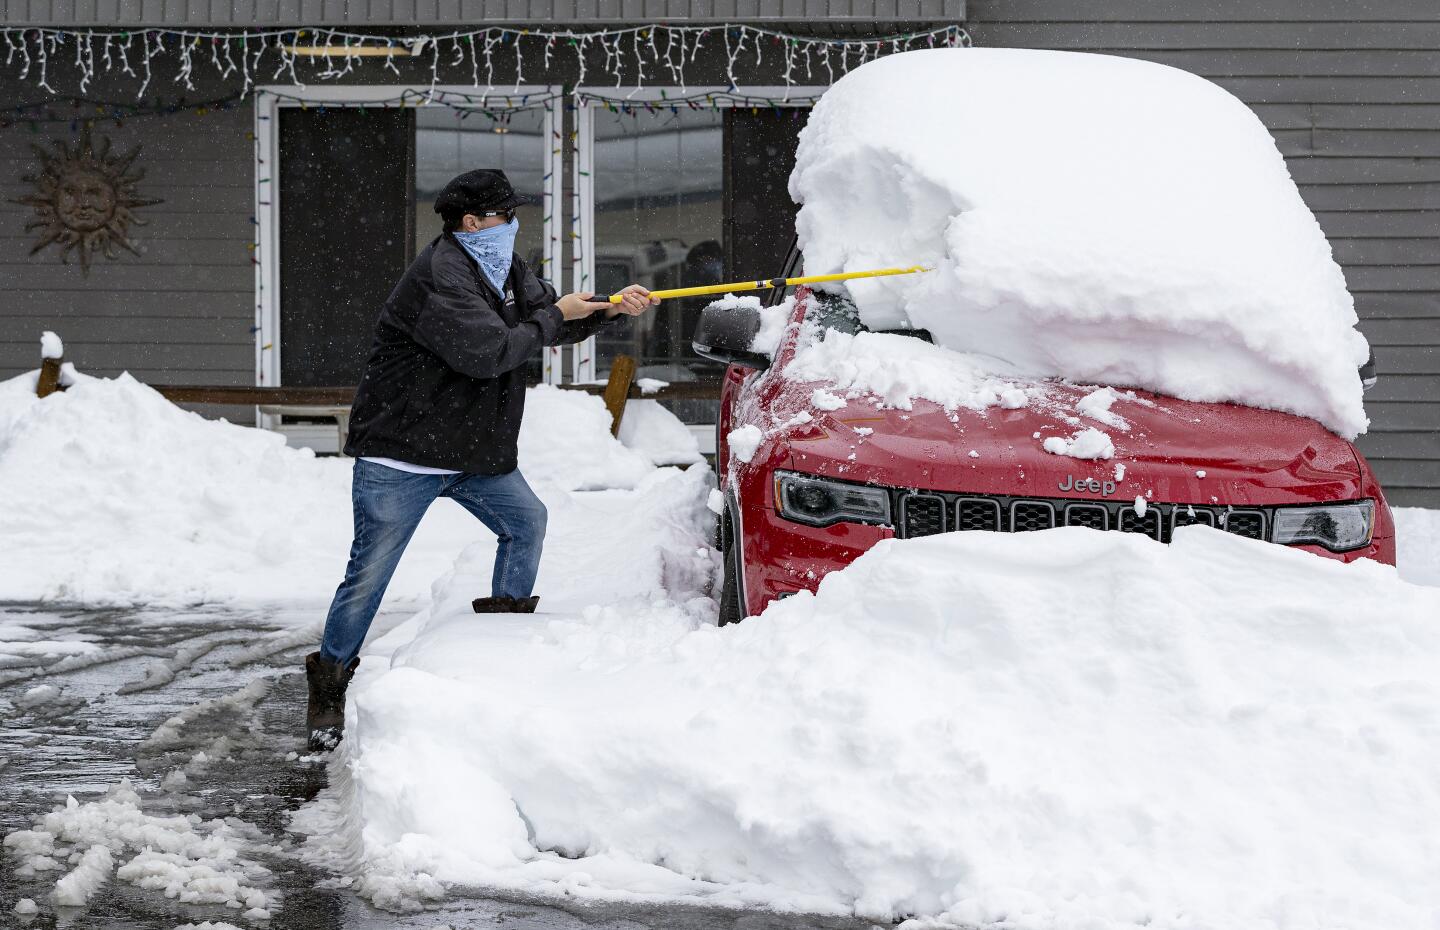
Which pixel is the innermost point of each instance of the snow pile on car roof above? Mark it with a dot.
(1090, 217)
(111, 495)
(1073, 729)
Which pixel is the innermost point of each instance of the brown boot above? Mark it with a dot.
(526, 605)
(494, 605)
(325, 716)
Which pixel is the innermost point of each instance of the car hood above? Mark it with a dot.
(1166, 449)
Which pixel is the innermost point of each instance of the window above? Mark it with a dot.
(659, 221)
(450, 142)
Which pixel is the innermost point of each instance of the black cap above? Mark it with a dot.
(478, 191)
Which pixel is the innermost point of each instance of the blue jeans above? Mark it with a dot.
(388, 506)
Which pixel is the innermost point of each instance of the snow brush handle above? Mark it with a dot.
(762, 283)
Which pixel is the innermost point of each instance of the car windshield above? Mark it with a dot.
(833, 308)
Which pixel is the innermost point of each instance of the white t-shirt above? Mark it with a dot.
(406, 466)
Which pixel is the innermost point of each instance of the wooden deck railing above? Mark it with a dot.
(335, 401)
(616, 391)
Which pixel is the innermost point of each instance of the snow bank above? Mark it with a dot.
(1077, 729)
(658, 435)
(1092, 217)
(565, 440)
(111, 495)
(1417, 544)
(645, 554)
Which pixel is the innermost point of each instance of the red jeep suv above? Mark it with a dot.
(822, 487)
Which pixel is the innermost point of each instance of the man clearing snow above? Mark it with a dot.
(437, 414)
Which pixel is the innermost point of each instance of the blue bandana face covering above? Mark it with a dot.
(492, 248)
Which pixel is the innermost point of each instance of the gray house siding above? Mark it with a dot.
(180, 313)
(1351, 92)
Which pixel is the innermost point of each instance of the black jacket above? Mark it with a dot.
(445, 382)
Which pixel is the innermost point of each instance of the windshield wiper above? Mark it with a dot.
(908, 331)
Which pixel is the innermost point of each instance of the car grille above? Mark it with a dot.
(1031, 515)
(922, 515)
(925, 513)
(977, 513)
(1094, 516)
(1132, 521)
(1244, 523)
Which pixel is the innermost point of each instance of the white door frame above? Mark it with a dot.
(268, 101)
(582, 203)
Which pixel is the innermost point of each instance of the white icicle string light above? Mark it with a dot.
(328, 57)
(642, 51)
(245, 68)
(580, 46)
(434, 48)
(122, 54)
(86, 61)
(789, 67)
(519, 62)
(186, 64)
(729, 61)
(149, 54)
(42, 58)
(490, 42)
(352, 58)
(287, 57)
(639, 64)
(612, 50)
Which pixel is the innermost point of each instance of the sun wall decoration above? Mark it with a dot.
(85, 199)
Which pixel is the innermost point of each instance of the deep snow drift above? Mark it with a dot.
(1073, 729)
(1417, 550)
(1092, 217)
(111, 495)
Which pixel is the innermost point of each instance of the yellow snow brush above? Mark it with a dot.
(762, 283)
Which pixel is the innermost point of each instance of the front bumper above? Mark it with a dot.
(780, 556)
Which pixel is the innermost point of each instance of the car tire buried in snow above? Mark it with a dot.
(732, 599)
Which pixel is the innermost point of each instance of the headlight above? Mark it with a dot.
(821, 502)
(1337, 527)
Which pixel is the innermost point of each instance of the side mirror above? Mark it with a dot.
(725, 334)
(1368, 375)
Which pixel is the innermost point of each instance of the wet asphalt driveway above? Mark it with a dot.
(149, 667)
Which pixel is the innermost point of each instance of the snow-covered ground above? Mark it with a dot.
(1057, 729)
(1061, 729)
(1066, 728)
(111, 495)
(1417, 533)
